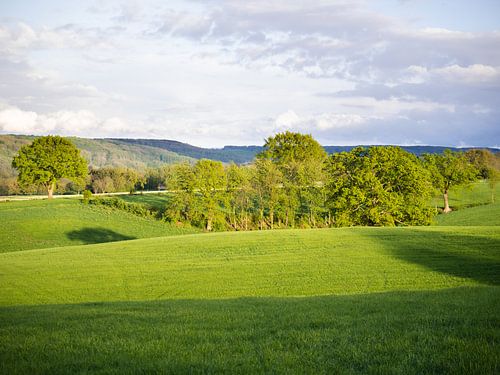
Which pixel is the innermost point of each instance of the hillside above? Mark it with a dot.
(64, 222)
(236, 154)
(245, 154)
(98, 152)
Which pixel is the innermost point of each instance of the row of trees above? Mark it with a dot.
(292, 183)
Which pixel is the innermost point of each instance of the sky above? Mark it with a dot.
(218, 72)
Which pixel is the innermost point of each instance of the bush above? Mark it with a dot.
(87, 194)
(120, 204)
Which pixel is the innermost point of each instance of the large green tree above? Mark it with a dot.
(450, 169)
(211, 182)
(48, 159)
(301, 161)
(378, 186)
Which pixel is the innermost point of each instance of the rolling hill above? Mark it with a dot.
(98, 152)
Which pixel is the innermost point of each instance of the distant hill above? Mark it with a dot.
(143, 153)
(98, 152)
(245, 154)
(227, 154)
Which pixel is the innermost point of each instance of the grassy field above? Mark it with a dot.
(356, 300)
(484, 215)
(349, 300)
(450, 331)
(237, 264)
(62, 222)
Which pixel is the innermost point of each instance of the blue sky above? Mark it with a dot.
(217, 72)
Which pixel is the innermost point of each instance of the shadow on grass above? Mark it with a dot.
(456, 254)
(395, 332)
(97, 235)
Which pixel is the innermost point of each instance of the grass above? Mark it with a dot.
(480, 215)
(426, 332)
(253, 264)
(63, 222)
(349, 300)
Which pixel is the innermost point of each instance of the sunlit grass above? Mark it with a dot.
(62, 222)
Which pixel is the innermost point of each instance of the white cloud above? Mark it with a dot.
(475, 73)
(319, 122)
(472, 74)
(69, 123)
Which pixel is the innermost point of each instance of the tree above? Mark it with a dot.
(211, 183)
(48, 159)
(301, 161)
(267, 182)
(450, 169)
(378, 186)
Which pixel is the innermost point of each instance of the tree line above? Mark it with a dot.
(291, 183)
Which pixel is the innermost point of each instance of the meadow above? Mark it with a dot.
(40, 224)
(351, 300)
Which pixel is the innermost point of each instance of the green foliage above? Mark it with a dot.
(378, 186)
(87, 194)
(288, 147)
(450, 169)
(210, 180)
(120, 204)
(486, 162)
(301, 160)
(109, 180)
(47, 160)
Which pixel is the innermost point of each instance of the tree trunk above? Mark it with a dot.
(446, 204)
(209, 224)
(50, 190)
(271, 218)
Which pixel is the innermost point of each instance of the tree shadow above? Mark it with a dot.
(457, 254)
(96, 235)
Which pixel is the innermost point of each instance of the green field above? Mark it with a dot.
(154, 202)
(484, 215)
(350, 300)
(62, 222)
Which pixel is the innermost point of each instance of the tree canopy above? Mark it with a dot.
(47, 160)
(378, 186)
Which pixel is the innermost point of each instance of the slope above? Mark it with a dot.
(269, 263)
(62, 222)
